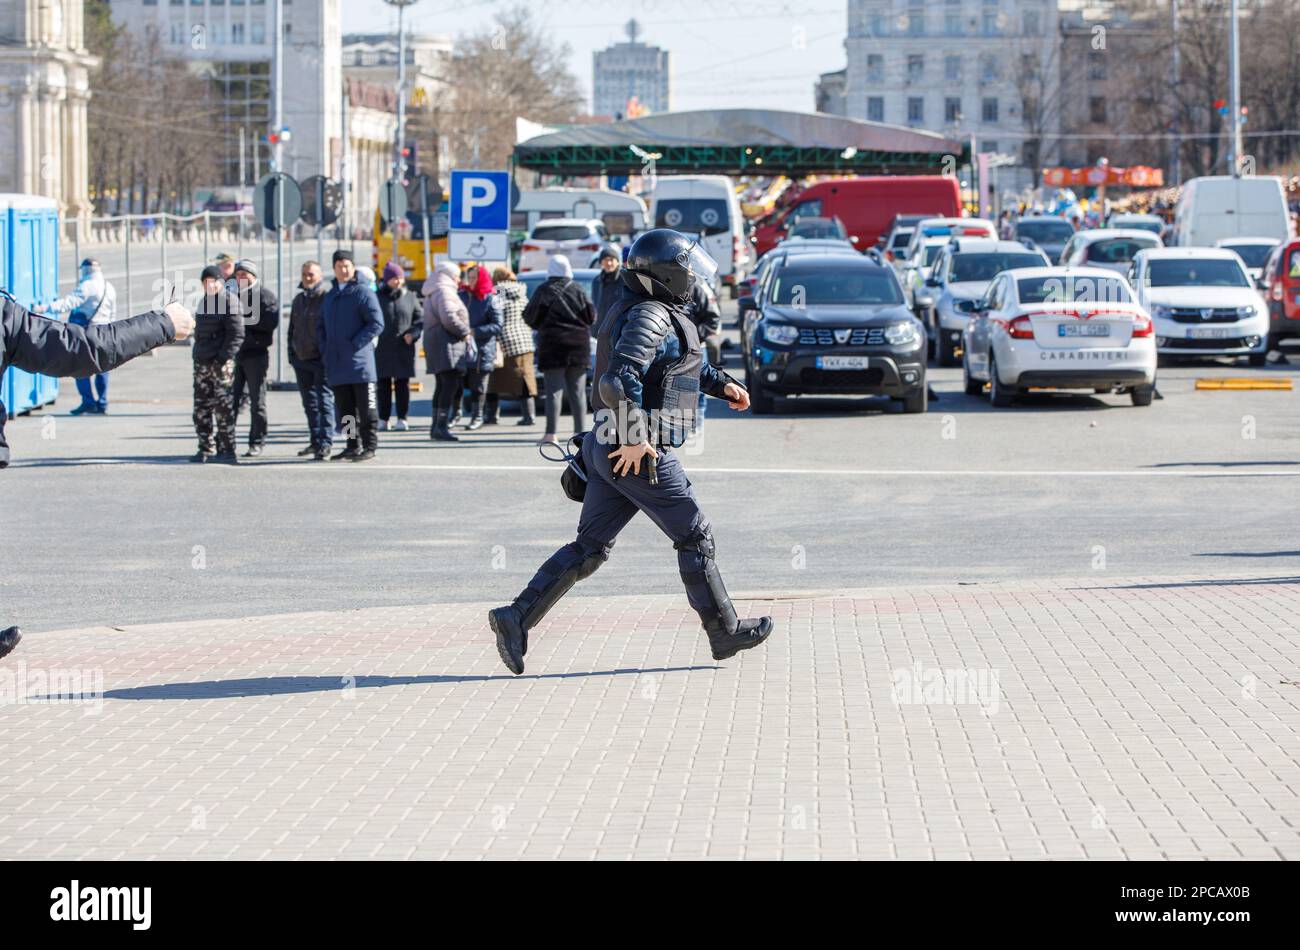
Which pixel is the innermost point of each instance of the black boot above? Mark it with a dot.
(441, 431)
(527, 407)
(492, 412)
(511, 623)
(727, 634)
(8, 640)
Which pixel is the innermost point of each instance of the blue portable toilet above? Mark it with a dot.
(29, 270)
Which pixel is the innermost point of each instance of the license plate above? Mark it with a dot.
(1083, 329)
(843, 362)
(1209, 333)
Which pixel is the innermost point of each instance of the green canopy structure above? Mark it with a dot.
(742, 142)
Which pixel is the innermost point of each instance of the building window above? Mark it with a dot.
(879, 22)
(952, 24)
(915, 66)
(915, 109)
(989, 147)
(952, 110)
(1097, 109)
(1096, 64)
(876, 109)
(875, 67)
(1030, 24)
(952, 67)
(916, 18)
(990, 67)
(258, 32)
(989, 111)
(236, 33)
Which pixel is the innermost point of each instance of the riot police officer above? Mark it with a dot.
(40, 345)
(648, 377)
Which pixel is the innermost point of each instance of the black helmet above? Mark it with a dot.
(662, 263)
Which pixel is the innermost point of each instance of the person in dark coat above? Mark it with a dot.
(605, 287)
(562, 315)
(261, 310)
(517, 376)
(395, 354)
(486, 320)
(218, 333)
(40, 345)
(305, 358)
(350, 322)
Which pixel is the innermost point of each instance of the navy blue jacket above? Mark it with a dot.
(39, 345)
(350, 320)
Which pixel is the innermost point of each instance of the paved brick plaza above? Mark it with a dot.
(1140, 719)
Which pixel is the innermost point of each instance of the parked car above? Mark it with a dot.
(928, 229)
(962, 273)
(812, 227)
(1059, 328)
(917, 268)
(1203, 303)
(1253, 251)
(1282, 291)
(1049, 233)
(794, 246)
(1111, 248)
(1139, 222)
(832, 324)
(1221, 206)
(867, 205)
(575, 238)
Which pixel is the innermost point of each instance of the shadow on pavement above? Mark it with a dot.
(283, 685)
(1215, 464)
(1250, 554)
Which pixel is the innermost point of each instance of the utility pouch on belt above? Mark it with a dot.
(574, 477)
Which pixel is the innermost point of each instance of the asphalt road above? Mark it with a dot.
(104, 522)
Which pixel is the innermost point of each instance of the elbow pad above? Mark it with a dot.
(629, 419)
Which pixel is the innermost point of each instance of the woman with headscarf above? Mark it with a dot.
(448, 344)
(480, 299)
(562, 314)
(395, 352)
(517, 376)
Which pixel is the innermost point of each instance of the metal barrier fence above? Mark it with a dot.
(160, 255)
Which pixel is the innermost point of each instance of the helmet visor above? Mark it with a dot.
(701, 265)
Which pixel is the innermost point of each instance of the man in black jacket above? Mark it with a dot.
(305, 357)
(606, 285)
(218, 334)
(261, 311)
(39, 345)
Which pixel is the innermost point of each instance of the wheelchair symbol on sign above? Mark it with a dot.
(478, 249)
(673, 218)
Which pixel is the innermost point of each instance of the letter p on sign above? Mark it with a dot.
(480, 200)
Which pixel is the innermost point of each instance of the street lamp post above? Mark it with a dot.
(401, 101)
(1234, 92)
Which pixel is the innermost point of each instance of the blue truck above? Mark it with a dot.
(29, 270)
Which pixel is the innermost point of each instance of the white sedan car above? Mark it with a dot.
(1059, 328)
(578, 239)
(1203, 302)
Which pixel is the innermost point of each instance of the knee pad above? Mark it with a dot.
(594, 554)
(699, 545)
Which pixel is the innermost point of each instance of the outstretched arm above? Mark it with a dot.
(40, 345)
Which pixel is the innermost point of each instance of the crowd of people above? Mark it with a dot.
(354, 340)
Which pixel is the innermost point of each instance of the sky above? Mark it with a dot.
(725, 53)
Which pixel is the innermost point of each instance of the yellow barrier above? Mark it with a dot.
(1244, 383)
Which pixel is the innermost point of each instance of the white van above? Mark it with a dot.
(623, 215)
(1220, 206)
(707, 206)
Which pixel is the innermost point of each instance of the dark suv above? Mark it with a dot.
(832, 325)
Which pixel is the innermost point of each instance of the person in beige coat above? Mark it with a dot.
(448, 344)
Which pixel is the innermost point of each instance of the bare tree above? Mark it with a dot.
(509, 70)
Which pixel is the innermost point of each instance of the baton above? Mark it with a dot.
(652, 469)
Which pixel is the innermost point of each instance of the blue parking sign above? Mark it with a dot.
(480, 200)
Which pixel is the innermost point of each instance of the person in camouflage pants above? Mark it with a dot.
(218, 332)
